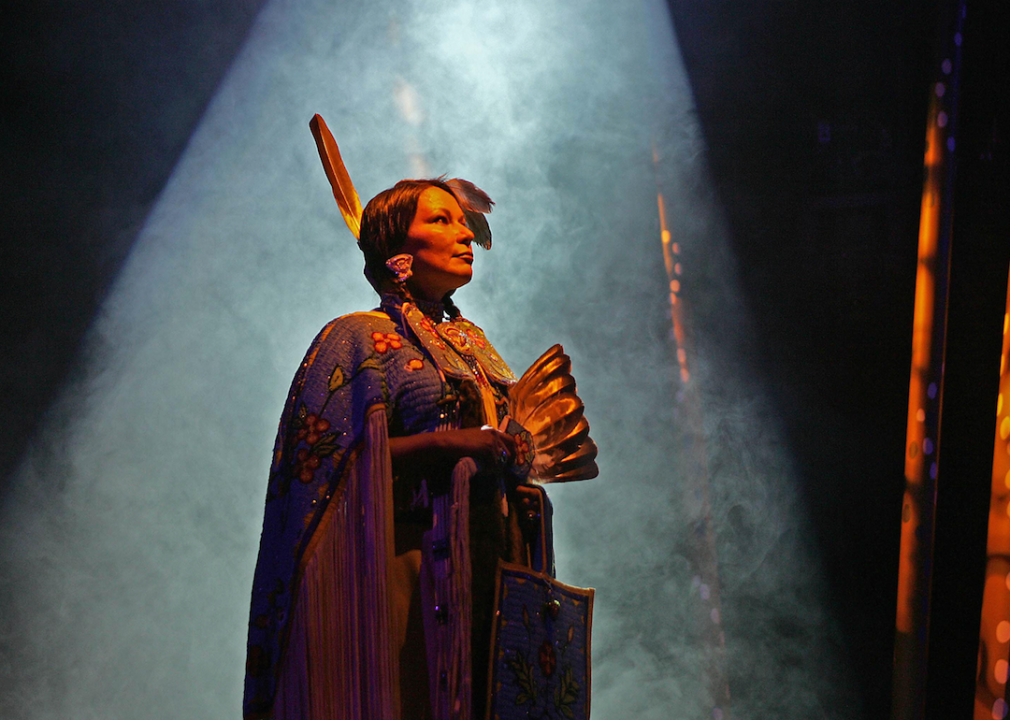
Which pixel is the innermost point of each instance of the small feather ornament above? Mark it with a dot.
(475, 203)
(343, 189)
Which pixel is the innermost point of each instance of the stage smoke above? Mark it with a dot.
(130, 532)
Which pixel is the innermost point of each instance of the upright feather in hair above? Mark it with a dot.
(343, 189)
(474, 203)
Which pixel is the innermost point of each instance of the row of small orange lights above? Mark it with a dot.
(706, 582)
(671, 257)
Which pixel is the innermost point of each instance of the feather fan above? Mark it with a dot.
(544, 401)
(343, 189)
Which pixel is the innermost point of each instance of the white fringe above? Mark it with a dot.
(341, 662)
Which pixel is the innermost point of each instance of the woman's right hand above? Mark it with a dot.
(489, 447)
(485, 445)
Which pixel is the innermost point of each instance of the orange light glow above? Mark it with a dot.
(704, 558)
(922, 442)
(673, 268)
(994, 625)
(922, 339)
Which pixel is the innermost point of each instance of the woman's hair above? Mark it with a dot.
(384, 226)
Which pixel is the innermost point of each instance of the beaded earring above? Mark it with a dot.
(399, 265)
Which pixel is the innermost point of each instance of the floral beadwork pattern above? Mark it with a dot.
(456, 337)
(427, 323)
(309, 439)
(554, 693)
(540, 667)
(414, 364)
(476, 343)
(548, 658)
(522, 446)
(435, 344)
(475, 339)
(310, 432)
(385, 341)
(429, 327)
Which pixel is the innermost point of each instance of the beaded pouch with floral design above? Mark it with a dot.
(540, 651)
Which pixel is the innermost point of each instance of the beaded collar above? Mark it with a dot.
(450, 343)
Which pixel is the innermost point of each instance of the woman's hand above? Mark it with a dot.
(487, 446)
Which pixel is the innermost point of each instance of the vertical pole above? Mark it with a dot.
(702, 550)
(994, 628)
(925, 390)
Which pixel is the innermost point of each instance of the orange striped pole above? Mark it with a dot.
(925, 394)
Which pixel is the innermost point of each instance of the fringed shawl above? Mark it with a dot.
(340, 661)
(321, 636)
(328, 524)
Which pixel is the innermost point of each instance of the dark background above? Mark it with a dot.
(814, 119)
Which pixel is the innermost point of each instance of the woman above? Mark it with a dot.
(393, 495)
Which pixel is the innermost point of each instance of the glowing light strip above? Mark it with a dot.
(921, 443)
(994, 627)
(925, 396)
(920, 390)
(706, 579)
(671, 257)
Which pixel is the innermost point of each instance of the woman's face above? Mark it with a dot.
(439, 240)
